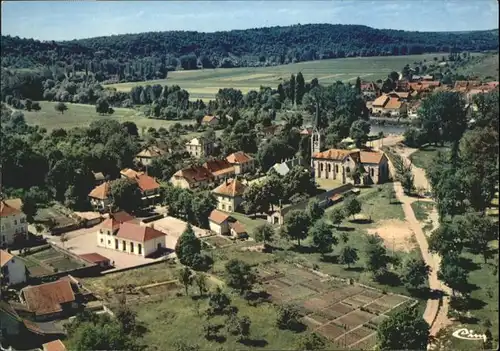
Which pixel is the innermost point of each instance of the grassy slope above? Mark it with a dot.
(79, 115)
(422, 210)
(204, 84)
(488, 67)
(422, 158)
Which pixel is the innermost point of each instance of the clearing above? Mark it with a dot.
(396, 234)
(204, 84)
(80, 115)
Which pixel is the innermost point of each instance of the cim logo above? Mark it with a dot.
(468, 334)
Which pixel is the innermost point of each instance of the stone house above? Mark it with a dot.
(342, 164)
(12, 268)
(13, 222)
(220, 169)
(192, 177)
(241, 162)
(100, 197)
(200, 147)
(147, 155)
(130, 237)
(210, 120)
(229, 195)
(219, 222)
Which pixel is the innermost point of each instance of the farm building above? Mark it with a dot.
(210, 120)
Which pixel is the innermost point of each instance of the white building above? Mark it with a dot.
(12, 268)
(13, 223)
(129, 237)
(200, 147)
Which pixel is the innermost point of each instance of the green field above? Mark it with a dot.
(423, 158)
(79, 115)
(204, 84)
(488, 67)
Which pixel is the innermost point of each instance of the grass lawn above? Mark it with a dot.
(249, 223)
(204, 84)
(80, 115)
(487, 67)
(422, 209)
(422, 158)
(138, 277)
(328, 184)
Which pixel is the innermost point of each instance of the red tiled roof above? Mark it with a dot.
(139, 233)
(194, 174)
(4, 257)
(218, 216)
(47, 298)
(393, 103)
(130, 173)
(371, 156)
(94, 257)
(239, 157)
(231, 187)
(145, 182)
(238, 227)
(15, 203)
(219, 167)
(151, 151)
(7, 210)
(334, 154)
(122, 216)
(55, 345)
(101, 192)
(380, 101)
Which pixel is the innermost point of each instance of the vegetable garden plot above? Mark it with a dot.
(354, 336)
(377, 320)
(351, 301)
(355, 318)
(311, 323)
(319, 318)
(373, 294)
(329, 314)
(362, 299)
(331, 331)
(286, 281)
(341, 309)
(376, 308)
(315, 304)
(391, 300)
(365, 344)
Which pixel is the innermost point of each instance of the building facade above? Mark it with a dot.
(13, 223)
(200, 147)
(12, 268)
(242, 162)
(229, 195)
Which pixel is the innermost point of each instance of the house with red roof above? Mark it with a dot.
(222, 223)
(241, 162)
(100, 196)
(130, 237)
(13, 222)
(229, 194)
(149, 187)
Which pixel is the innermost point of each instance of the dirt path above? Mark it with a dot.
(434, 314)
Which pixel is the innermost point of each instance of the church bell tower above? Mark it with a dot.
(316, 137)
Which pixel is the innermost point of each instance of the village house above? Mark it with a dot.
(149, 187)
(229, 195)
(192, 177)
(12, 269)
(401, 95)
(100, 197)
(342, 164)
(200, 147)
(55, 345)
(130, 237)
(97, 259)
(220, 169)
(210, 120)
(13, 222)
(50, 300)
(388, 105)
(223, 224)
(241, 162)
(146, 156)
(370, 90)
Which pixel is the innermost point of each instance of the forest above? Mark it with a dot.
(144, 56)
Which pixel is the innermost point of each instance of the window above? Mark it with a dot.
(372, 172)
(116, 244)
(109, 242)
(15, 221)
(3, 237)
(124, 245)
(329, 167)
(102, 240)
(109, 232)
(132, 247)
(139, 249)
(23, 220)
(336, 168)
(223, 207)
(229, 208)
(321, 167)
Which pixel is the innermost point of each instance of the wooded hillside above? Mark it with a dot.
(134, 57)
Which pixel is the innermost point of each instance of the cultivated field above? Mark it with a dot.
(204, 84)
(49, 261)
(79, 115)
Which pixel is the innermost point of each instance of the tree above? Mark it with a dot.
(240, 327)
(200, 280)
(182, 346)
(452, 274)
(390, 193)
(188, 246)
(29, 207)
(296, 225)
(414, 272)
(311, 342)
(60, 107)
(359, 132)
(28, 104)
(255, 199)
(264, 233)
(288, 317)
(322, 237)
(348, 255)
(337, 216)
(351, 206)
(394, 76)
(405, 330)
(218, 302)
(449, 237)
(480, 230)
(376, 254)
(300, 88)
(314, 210)
(102, 106)
(240, 275)
(185, 277)
(126, 195)
(210, 331)
(36, 106)
(126, 316)
(131, 128)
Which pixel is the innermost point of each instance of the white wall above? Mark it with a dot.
(17, 271)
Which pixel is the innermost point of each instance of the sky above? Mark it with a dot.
(66, 20)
